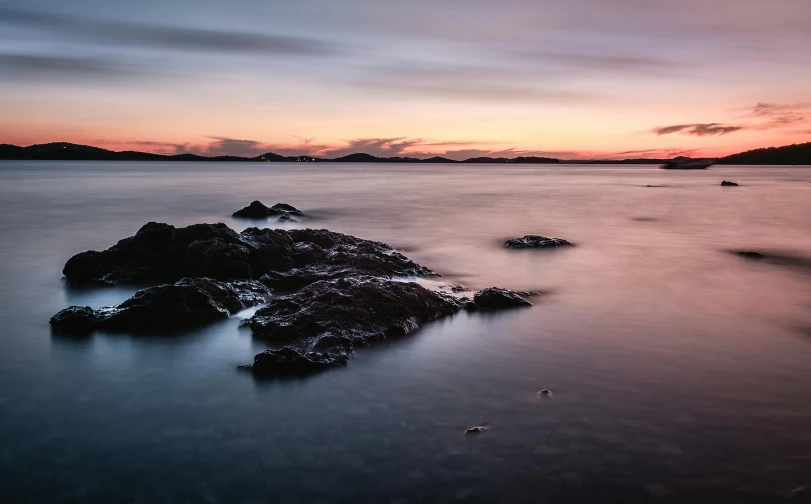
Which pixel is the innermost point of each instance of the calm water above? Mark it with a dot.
(679, 373)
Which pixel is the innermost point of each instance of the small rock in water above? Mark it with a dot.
(748, 254)
(290, 361)
(536, 241)
(544, 392)
(495, 298)
(476, 430)
(727, 183)
(257, 210)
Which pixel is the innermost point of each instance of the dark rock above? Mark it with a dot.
(361, 309)
(727, 183)
(476, 430)
(535, 241)
(289, 361)
(75, 320)
(544, 392)
(187, 303)
(160, 253)
(163, 253)
(256, 210)
(494, 298)
(319, 254)
(283, 209)
(748, 254)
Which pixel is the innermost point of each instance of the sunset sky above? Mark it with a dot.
(462, 78)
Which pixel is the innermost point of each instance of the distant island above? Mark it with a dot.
(799, 154)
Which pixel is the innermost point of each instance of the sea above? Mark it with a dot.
(678, 371)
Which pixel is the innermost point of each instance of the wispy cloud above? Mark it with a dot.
(46, 66)
(697, 129)
(165, 37)
(778, 116)
(466, 82)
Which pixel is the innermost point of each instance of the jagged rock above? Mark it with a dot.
(289, 361)
(479, 429)
(75, 320)
(283, 209)
(187, 303)
(535, 241)
(161, 253)
(257, 210)
(360, 309)
(325, 255)
(727, 183)
(495, 298)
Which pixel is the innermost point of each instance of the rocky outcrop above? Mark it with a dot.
(495, 298)
(349, 312)
(257, 210)
(161, 253)
(288, 361)
(727, 183)
(187, 303)
(535, 241)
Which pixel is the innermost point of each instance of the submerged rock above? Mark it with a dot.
(355, 311)
(161, 253)
(257, 210)
(535, 241)
(727, 183)
(187, 303)
(289, 361)
(748, 254)
(495, 298)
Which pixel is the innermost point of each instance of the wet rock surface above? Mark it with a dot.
(288, 361)
(336, 292)
(349, 312)
(536, 241)
(161, 253)
(186, 303)
(257, 210)
(495, 298)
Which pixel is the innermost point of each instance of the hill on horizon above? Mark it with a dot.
(796, 154)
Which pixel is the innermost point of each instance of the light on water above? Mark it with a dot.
(677, 371)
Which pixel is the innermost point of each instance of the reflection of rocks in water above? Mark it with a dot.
(537, 242)
(187, 303)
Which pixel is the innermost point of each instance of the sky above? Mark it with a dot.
(458, 78)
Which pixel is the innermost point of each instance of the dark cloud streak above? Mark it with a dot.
(166, 37)
(698, 129)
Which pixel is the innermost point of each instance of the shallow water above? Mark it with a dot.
(679, 372)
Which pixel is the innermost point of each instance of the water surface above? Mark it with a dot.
(679, 372)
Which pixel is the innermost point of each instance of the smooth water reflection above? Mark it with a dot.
(678, 371)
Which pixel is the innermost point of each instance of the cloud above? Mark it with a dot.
(165, 37)
(699, 129)
(46, 66)
(476, 83)
(780, 115)
(611, 62)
